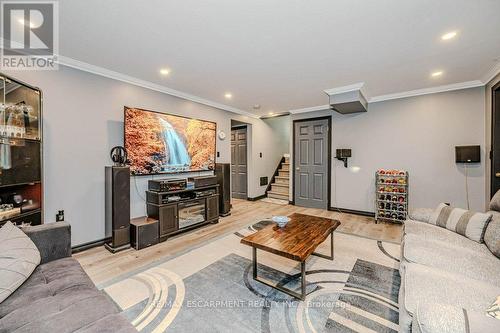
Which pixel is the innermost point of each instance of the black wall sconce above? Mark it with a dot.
(342, 155)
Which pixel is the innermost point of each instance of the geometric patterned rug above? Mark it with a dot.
(210, 289)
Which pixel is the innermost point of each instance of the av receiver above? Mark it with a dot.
(203, 181)
(167, 185)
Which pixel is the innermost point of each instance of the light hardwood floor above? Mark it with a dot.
(102, 266)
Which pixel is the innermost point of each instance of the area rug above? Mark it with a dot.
(210, 289)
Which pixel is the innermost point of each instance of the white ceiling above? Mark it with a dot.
(282, 54)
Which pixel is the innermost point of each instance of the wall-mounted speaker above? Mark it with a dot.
(343, 155)
(117, 207)
(467, 154)
(223, 173)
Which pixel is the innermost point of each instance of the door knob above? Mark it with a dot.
(497, 174)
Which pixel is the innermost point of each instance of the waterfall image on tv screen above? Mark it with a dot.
(162, 143)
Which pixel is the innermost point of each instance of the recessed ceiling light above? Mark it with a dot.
(271, 113)
(449, 35)
(228, 95)
(164, 71)
(437, 74)
(256, 106)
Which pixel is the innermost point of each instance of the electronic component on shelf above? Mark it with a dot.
(167, 185)
(206, 193)
(171, 198)
(203, 181)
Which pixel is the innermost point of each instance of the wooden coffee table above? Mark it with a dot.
(297, 241)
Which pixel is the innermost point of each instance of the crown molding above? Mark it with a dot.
(344, 89)
(427, 91)
(490, 75)
(310, 109)
(404, 94)
(83, 66)
(276, 115)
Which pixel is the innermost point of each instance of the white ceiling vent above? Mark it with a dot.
(347, 99)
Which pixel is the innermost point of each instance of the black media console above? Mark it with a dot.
(182, 210)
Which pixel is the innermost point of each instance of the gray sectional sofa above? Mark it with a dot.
(59, 296)
(448, 281)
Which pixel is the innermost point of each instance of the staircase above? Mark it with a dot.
(280, 182)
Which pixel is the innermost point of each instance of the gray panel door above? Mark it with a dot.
(311, 163)
(239, 163)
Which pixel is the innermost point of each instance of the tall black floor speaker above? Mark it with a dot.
(117, 207)
(223, 173)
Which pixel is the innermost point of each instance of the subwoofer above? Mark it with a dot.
(223, 173)
(144, 232)
(117, 207)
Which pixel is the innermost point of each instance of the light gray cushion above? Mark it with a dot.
(431, 232)
(18, 259)
(443, 318)
(464, 222)
(425, 285)
(495, 202)
(492, 233)
(421, 214)
(481, 266)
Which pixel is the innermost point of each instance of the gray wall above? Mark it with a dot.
(266, 137)
(83, 119)
(417, 134)
(280, 127)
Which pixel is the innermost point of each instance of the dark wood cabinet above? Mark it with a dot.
(212, 207)
(195, 207)
(169, 219)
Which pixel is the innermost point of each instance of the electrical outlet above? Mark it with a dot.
(60, 216)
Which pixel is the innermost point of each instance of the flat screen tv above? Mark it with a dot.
(163, 143)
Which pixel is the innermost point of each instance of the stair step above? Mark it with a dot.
(282, 173)
(279, 189)
(285, 167)
(279, 185)
(275, 195)
(281, 180)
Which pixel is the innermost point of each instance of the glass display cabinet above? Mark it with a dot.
(20, 152)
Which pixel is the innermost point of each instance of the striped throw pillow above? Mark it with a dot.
(464, 222)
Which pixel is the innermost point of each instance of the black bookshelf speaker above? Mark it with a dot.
(223, 173)
(117, 207)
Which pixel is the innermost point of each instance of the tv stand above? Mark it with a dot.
(182, 210)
